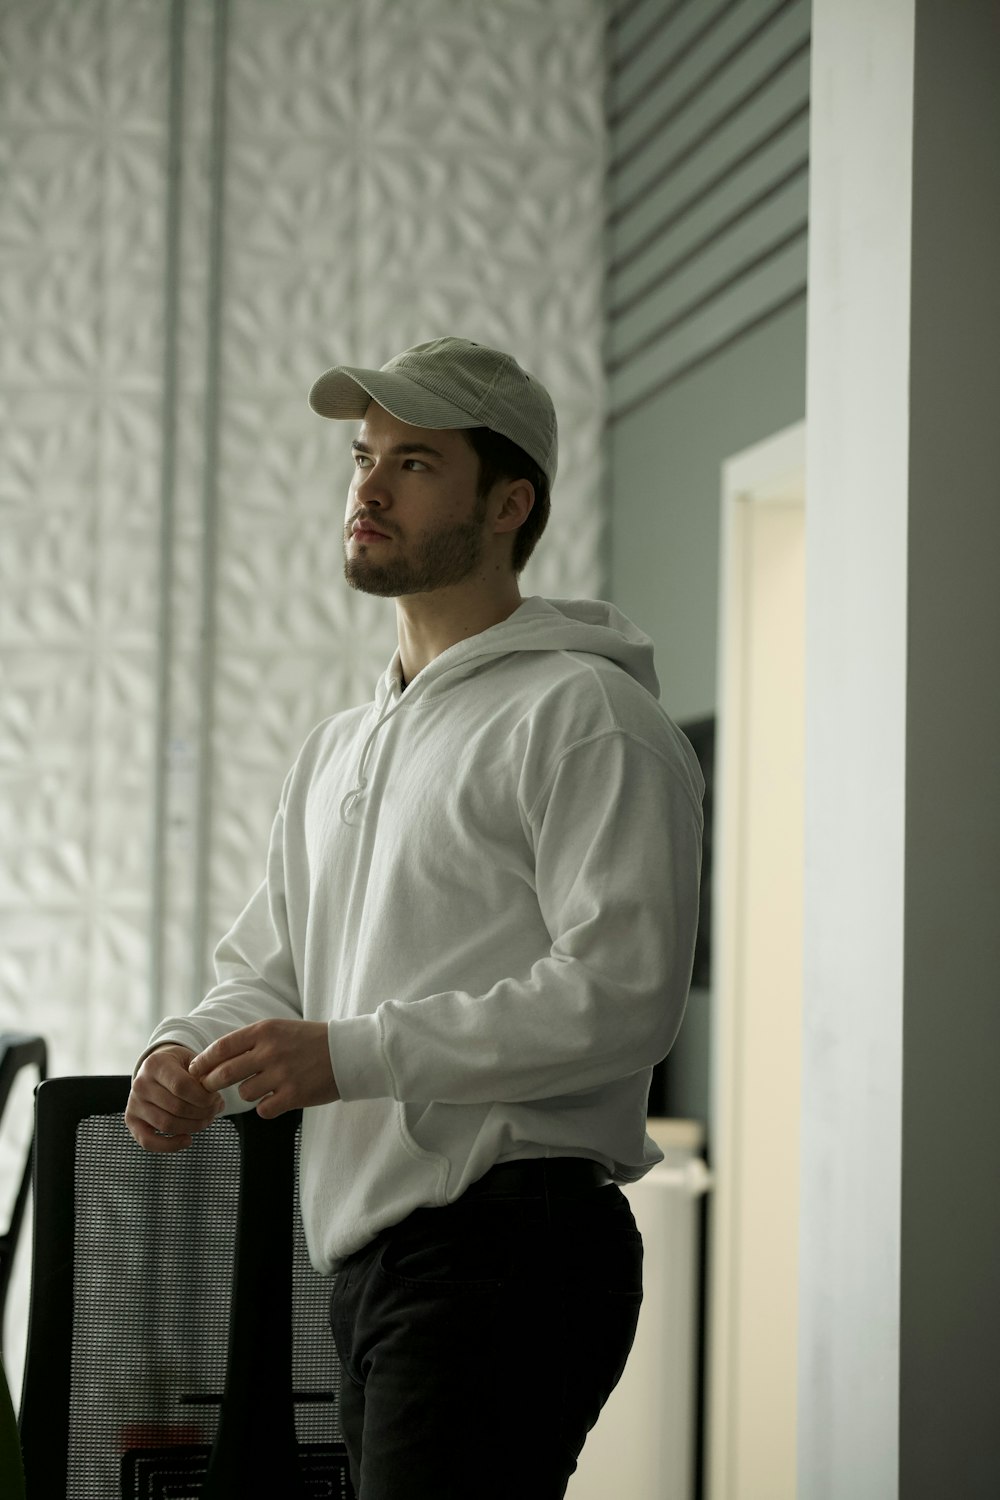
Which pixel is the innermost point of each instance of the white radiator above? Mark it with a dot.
(643, 1447)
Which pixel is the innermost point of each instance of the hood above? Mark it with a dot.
(586, 625)
(589, 626)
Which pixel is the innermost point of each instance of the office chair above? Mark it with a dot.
(178, 1339)
(17, 1050)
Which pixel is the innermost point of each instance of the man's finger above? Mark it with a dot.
(166, 1071)
(192, 1091)
(234, 1044)
(222, 1073)
(142, 1111)
(226, 1074)
(202, 1106)
(152, 1140)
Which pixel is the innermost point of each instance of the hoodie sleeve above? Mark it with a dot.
(255, 972)
(617, 832)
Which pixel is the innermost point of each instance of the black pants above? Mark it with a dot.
(480, 1341)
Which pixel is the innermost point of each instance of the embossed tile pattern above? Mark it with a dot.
(392, 171)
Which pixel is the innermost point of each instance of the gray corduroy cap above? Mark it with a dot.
(449, 382)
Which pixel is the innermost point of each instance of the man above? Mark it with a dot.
(473, 941)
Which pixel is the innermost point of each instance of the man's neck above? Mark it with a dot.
(428, 624)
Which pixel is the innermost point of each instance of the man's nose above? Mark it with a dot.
(371, 487)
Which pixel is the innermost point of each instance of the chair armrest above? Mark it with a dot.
(11, 1465)
(19, 1049)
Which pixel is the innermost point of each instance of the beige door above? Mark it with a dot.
(757, 983)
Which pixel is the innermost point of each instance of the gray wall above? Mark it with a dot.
(950, 1300)
(707, 239)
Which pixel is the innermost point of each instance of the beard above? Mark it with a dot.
(436, 561)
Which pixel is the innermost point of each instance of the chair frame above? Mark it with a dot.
(18, 1050)
(258, 1396)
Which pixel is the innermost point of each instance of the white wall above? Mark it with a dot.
(173, 616)
(205, 205)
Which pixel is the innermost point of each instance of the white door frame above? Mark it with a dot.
(771, 473)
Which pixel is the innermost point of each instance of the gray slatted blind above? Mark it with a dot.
(708, 114)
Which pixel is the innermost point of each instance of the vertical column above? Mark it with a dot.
(168, 480)
(857, 479)
(180, 643)
(209, 505)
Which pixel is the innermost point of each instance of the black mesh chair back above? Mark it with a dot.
(17, 1050)
(178, 1340)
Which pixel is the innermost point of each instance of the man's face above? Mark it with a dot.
(417, 486)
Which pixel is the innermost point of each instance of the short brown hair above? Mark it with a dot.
(499, 458)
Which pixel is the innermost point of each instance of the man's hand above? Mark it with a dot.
(283, 1064)
(167, 1106)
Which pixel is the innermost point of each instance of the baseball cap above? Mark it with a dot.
(449, 382)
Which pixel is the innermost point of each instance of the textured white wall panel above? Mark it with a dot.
(83, 131)
(393, 172)
(387, 173)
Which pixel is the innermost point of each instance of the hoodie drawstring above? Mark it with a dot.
(362, 780)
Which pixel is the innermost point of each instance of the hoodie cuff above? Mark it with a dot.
(358, 1062)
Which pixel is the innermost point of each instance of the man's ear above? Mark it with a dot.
(519, 497)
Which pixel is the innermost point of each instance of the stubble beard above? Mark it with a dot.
(437, 561)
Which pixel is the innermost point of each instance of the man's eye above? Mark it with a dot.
(417, 462)
(360, 459)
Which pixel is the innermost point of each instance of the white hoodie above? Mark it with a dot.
(487, 886)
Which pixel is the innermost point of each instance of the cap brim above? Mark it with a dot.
(345, 392)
